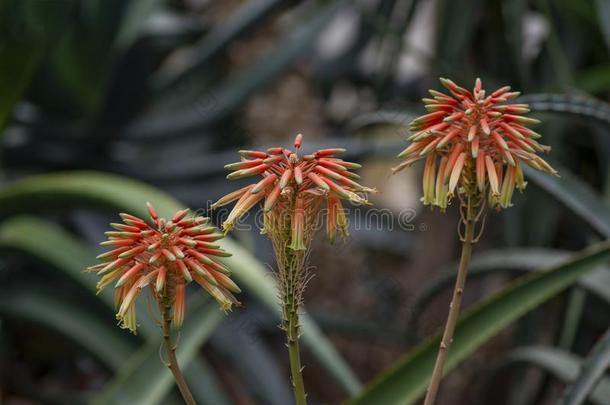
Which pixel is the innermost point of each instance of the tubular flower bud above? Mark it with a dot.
(159, 255)
(479, 140)
(288, 179)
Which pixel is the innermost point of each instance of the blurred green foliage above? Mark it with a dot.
(151, 90)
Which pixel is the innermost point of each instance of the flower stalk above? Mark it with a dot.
(292, 189)
(170, 349)
(456, 301)
(288, 236)
(480, 141)
(290, 322)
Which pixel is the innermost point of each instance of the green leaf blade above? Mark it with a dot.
(405, 381)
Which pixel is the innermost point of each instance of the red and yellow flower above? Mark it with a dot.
(294, 185)
(472, 132)
(165, 257)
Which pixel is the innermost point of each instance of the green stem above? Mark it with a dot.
(292, 337)
(170, 348)
(293, 268)
(456, 301)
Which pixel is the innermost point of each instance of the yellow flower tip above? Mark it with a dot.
(297, 245)
(234, 288)
(227, 226)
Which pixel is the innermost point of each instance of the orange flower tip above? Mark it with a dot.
(169, 255)
(180, 215)
(253, 154)
(152, 211)
(454, 117)
(419, 135)
(521, 119)
(485, 126)
(352, 165)
(187, 276)
(500, 91)
(298, 140)
(179, 254)
(204, 273)
(472, 132)
(275, 151)
(329, 152)
(271, 160)
(131, 252)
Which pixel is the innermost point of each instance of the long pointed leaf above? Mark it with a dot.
(561, 364)
(28, 29)
(247, 16)
(144, 379)
(591, 372)
(101, 339)
(111, 191)
(576, 195)
(517, 261)
(406, 380)
(227, 97)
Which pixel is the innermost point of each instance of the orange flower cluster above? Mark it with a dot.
(473, 137)
(166, 257)
(298, 183)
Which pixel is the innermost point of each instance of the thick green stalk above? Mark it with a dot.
(291, 321)
(292, 337)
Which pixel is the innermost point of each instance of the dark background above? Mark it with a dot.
(166, 92)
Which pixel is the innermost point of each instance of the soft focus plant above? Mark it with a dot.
(293, 188)
(478, 143)
(164, 257)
